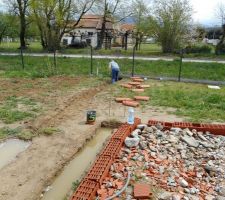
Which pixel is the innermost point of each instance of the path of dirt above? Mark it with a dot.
(34, 169)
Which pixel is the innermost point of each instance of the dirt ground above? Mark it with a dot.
(35, 169)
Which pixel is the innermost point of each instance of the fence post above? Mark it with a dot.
(22, 58)
(133, 60)
(91, 59)
(181, 62)
(55, 65)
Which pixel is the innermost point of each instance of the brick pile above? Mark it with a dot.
(180, 163)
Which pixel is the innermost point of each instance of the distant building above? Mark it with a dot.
(126, 35)
(213, 35)
(88, 31)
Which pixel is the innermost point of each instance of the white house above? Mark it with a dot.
(87, 30)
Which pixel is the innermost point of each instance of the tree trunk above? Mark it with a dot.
(102, 34)
(221, 46)
(2, 34)
(22, 11)
(22, 35)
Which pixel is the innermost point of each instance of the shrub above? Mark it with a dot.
(198, 49)
(220, 49)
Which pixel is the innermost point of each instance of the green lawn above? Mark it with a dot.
(195, 102)
(35, 47)
(36, 67)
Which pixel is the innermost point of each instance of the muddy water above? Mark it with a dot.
(10, 149)
(76, 168)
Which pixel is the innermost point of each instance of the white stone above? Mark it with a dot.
(183, 183)
(192, 142)
(132, 142)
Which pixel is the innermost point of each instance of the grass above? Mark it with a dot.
(146, 50)
(10, 116)
(195, 102)
(7, 132)
(49, 131)
(9, 112)
(36, 67)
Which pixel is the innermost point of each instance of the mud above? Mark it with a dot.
(10, 149)
(36, 168)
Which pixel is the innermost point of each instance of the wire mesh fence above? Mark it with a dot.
(146, 61)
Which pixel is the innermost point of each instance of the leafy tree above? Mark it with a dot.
(53, 16)
(9, 25)
(21, 9)
(170, 23)
(140, 12)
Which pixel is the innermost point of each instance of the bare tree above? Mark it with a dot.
(112, 11)
(220, 12)
(20, 8)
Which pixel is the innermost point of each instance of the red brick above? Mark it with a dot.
(142, 191)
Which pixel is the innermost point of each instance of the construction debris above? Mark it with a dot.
(182, 164)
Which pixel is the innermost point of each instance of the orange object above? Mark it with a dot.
(144, 86)
(126, 86)
(131, 103)
(138, 80)
(138, 90)
(134, 83)
(141, 98)
(135, 77)
(120, 100)
(142, 191)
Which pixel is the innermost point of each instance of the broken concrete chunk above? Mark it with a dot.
(190, 141)
(142, 126)
(132, 142)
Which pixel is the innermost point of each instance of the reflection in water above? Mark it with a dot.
(77, 166)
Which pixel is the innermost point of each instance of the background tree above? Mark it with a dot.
(112, 11)
(61, 12)
(9, 26)
(170, 23)
(140, 12)
(20, 8)
(220, 12)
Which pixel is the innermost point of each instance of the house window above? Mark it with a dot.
(90, 33)
(88, 41)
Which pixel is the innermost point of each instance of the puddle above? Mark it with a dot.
(76, 168)
(10, 149)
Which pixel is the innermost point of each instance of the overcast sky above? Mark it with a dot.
(204, 11)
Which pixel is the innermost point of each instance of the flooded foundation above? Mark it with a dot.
(77, 167)
(10, 149)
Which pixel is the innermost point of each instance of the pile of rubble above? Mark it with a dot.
(175, 164)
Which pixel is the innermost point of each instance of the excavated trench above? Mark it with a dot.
(77, 167)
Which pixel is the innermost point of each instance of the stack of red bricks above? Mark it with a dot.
(136, 86)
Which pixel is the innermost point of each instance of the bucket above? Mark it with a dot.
(91, 117)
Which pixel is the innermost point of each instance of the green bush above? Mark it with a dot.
(220, 49)
(198, 49)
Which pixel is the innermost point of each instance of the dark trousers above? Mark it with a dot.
(115, 75)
